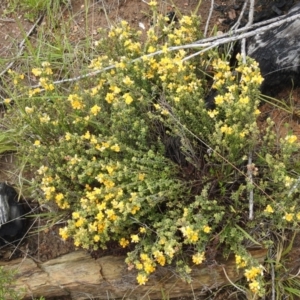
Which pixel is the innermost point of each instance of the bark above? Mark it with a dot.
(82, 277)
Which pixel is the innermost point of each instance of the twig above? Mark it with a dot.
(238, 22)
(296, 275)
(209, 16)
(249, 23)
(238, 288)
(250, 169)
(22, 45)
(7, 20)
(273, 281)
(251, 13)
(240, 30)
(250, 176)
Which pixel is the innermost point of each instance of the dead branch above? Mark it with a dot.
(209, 17)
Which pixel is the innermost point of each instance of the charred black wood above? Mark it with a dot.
(263, 10)
(278, 53)
(12, 223)
(171, 15)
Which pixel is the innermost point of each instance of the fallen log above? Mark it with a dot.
(82, 277)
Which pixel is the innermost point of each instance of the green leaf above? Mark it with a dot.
(246, 234)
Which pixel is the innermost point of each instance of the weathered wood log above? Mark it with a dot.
(82, 277)
(278, 53)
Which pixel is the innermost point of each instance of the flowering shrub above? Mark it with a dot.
(134, 155)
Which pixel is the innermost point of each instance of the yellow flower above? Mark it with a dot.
(212, 113)
(49, 87)
(186, 20)
(218, 75)
(101, 227)
(59, 197)
(79, 222)
(207, 229)
(48, 71)
(190, 234)
(254, 286)
(63, 232)
(76, 101)
(97, 238)
(144, 257)
(93, 227)
(258, 79)
(87, 135)
(241, 263)
(121, 65)
(152, 3)
(141, 176)
(288, 216)
(157, 106)
(111, 214)
(109, 97)
(127, 81)
(141, 279)
(95, 110)
(139, 266)
(135, 238)
(148, 267)
(269, 209)
(244, 100)
(143, 229)
(109, 169)
(45, 118)
(288, 181)
(115, 89)
(123, 242)
(42, 170)
(135, 209)
(128, 98)
(232, 88)
(219, 100)
(45, 64)
(225, 129)
(160, 258)
(29, 110)
(151, 49)
(68, 136)
(115, 148)
(37, 143)
(33, 92)
(198, 258)
(36, 71)
(298, 216)
(291, 138)
(252, 273)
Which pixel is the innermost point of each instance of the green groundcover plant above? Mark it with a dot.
(134, 155)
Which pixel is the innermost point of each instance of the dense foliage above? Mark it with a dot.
(134, 154)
